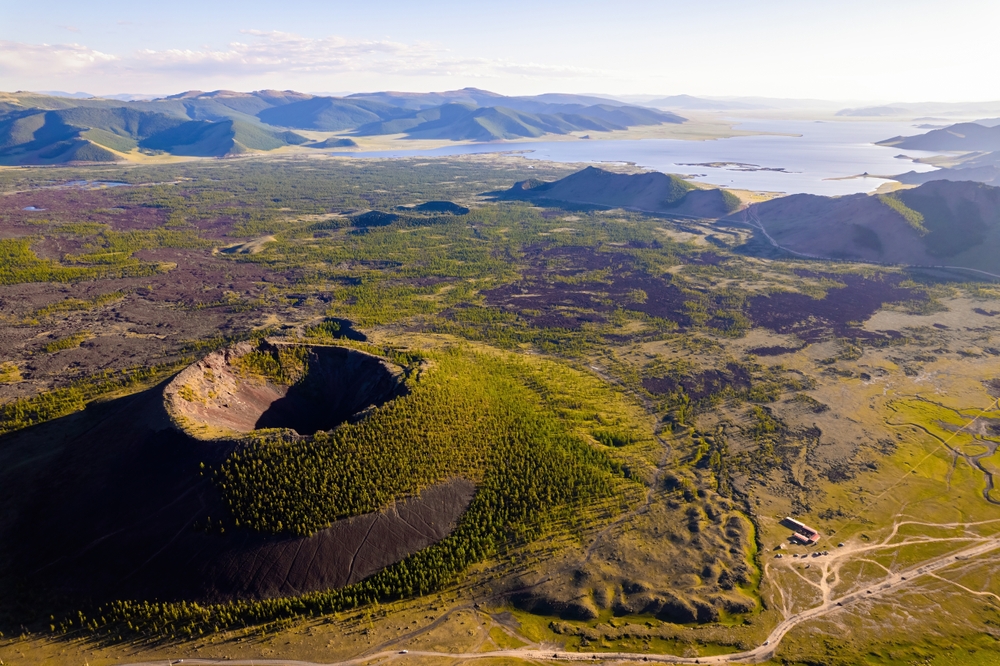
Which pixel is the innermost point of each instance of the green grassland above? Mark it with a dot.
(611, 440)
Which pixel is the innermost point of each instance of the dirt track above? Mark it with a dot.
(763, 652)
(754, 220)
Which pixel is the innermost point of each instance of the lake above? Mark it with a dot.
(807, 163)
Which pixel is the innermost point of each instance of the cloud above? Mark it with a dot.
(18, 59)
(269, 53)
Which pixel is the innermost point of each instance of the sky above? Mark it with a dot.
(872, 50)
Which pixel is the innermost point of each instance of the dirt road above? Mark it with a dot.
(763, 652)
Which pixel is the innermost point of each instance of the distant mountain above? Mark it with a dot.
(60, 93)
(650, 192)
(202, 138)
(76, 134)
(988, 174)
(964, 137)
(477, 97)
(567, 98)
(699, 103)
(977, 167)
(95, 134)
(458, 122)
(875, 112)
(419, 101)
(132, 97)
(329, 114)
(724, 103)
(947, 109)
(249, 104)
(939, 223)
(121, 97)
(46, 129)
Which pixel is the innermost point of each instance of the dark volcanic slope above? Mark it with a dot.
(110, 503)
(345, 553)
(941, 223)
(650, 192)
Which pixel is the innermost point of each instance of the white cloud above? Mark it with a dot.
(267, 54)
(18, 59)
(276, 52)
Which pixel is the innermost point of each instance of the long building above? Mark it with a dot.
(801, 532)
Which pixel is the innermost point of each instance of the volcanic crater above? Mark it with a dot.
(115, 505)
(227, 395)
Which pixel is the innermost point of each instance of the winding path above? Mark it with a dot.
(763, 652)
(751, 217)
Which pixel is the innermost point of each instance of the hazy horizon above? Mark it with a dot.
(636, 98)
(846, 51)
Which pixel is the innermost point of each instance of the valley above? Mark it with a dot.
(652, 392)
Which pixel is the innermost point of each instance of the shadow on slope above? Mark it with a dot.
(115, 502)
(940, 223)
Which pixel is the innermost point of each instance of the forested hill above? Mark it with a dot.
(650, 192)
(940, 223)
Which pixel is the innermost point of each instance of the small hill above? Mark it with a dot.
(441, 207)
(965, 137)
(939, 223)
(374, 218)
(334, 143)
(651, 192)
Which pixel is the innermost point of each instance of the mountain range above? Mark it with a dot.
(46, 129)
(979, 141)
(962, 137)
(913, 110)
(467, 122)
